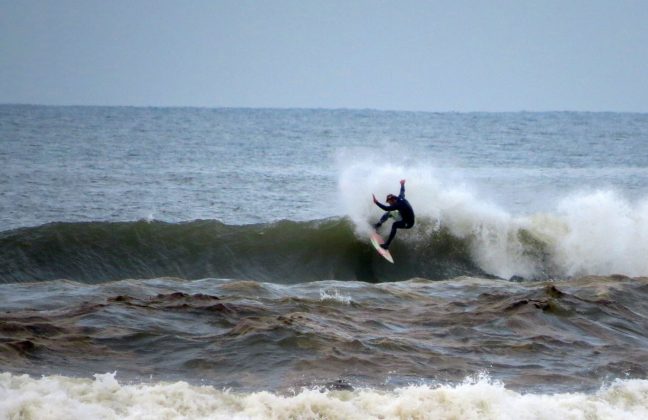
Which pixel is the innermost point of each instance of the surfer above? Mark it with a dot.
(399, 209)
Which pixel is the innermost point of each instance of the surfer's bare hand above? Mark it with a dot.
(374, 198)
(402, 182)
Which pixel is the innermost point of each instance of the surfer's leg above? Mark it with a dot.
(381, 221)
(396, 225)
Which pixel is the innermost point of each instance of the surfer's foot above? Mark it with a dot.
(385, 247)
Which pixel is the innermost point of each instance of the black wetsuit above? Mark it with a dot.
(406, 212)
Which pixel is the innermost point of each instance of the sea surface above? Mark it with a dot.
(215, 263)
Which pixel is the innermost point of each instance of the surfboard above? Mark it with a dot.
(376, 240)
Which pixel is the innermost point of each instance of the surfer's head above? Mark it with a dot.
(391, 198)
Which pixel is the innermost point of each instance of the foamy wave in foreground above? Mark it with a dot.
(104, 397)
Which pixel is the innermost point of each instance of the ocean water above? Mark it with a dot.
(215, 263)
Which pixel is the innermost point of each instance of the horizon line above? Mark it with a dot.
(302, 108)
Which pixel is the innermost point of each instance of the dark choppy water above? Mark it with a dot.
(251, 336)
(193, 251)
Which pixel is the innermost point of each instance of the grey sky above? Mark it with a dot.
(405, 55)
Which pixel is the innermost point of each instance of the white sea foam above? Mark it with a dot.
(598, 232)
(58, 397)
(333, 294)
(605, 234)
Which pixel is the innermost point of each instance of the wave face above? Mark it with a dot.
(282, 252)
(597, 233)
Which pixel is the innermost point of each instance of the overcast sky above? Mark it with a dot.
(455, 55)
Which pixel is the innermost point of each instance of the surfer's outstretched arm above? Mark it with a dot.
(402, 190)
(382, 206)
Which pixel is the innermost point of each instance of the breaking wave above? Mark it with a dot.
(597, 232)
